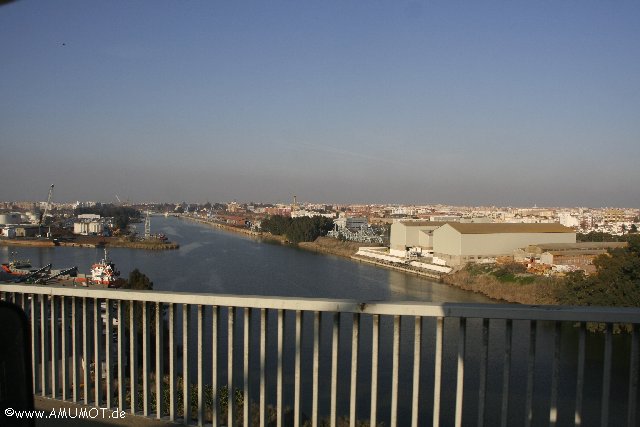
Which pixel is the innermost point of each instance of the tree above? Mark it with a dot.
(303, 229)
(138, 281)
(616, 281)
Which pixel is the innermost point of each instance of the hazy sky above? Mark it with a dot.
(462, 102)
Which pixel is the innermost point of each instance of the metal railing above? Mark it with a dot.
(292, 361)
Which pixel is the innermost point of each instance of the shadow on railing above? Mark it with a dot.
(296, 361)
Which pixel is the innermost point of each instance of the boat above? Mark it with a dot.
(105, 273)
(17, 266)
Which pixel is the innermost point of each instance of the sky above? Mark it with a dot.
(510, 103)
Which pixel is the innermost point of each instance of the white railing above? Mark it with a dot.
(403, 363)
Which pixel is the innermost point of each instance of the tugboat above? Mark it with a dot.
(105, 273)
(16, 266)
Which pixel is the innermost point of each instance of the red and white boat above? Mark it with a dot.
(105, 273)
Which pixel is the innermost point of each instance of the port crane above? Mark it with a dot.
(46, 210)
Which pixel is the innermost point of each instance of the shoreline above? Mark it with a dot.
(341, 249)
(108, 242)
(425, 274)
(532, 294)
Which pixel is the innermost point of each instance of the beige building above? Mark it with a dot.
(409, 235)
(458, 243)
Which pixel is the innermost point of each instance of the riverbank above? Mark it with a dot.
(92, 242)
(331, 246)
(27, 243)
(530, 291)
(404, 269)
(324, 245)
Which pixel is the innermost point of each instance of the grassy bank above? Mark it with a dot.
(328, 245)
(499, 283)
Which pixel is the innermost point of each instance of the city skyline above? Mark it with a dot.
(416, 103)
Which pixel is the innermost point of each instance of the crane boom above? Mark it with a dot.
(46, 209)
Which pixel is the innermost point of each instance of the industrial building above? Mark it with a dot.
(412, 236)
(568, 256)
(458, 243)
(13, 218)
(535, 251)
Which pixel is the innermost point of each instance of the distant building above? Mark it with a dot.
(352, 223)
(12, 218)
(8, 231)
(569, 220)
(299, 213)
(89, 217)
(577, 256)
(26, 231)
(90, 227)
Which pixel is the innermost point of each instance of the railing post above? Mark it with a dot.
(279, 380)
(172, 362)
(375, 342)
(297, 378)
(462, 334)
(86, 356)
(64, 359)
(75, 353)
(437, 376)
(263, 367)
(159, 360)
(97, 341)
(395, 352)
(315, 369)
(555, 373)
(146, 358)
(186, 385)
(245, 359)
(200, 379)
(634, 373)
(484, 360)
(215, 334)
(355, 337)
(53, 323)
(335, 348)
(531, 363)
(121, 380)
(108, 339)
(506, 373)
(44, 344)
(606, 375)
(133, 357)
(415, 396)
(230, 393)
(35, 353)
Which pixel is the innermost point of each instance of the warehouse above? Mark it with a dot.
(409, 235)
(458, 243)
